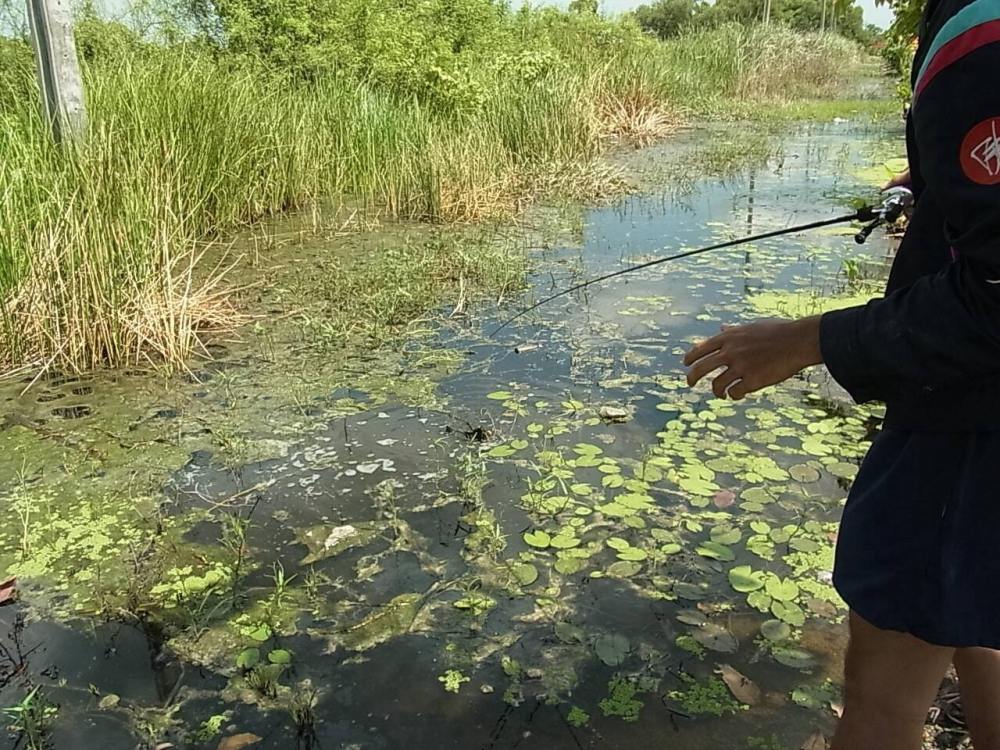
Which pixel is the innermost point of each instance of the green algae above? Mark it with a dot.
(324, 541)
(621, 700)
(392, 619)
(800, 304)
(708, 698)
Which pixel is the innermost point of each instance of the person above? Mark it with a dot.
(918, 552)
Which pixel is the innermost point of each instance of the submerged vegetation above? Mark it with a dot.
(110, 250)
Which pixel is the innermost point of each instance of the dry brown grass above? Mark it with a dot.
(634, 117)
(166, 319)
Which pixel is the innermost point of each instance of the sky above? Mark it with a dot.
(879, 15)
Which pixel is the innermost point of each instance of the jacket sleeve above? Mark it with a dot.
(944, 329)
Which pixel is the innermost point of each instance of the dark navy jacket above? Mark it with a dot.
(931, 347)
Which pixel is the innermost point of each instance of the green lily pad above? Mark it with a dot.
(788, 612)
(617, 543)
(624, 569)
(723, 535)
(698, 487)
(499, 395)
(691, 591)
(692, 617)
(671, 548)
(616, 510)
(525, 573)
(716, 638)
(795, 658)
(782, 590)
(775, 630)
(564, 541)
(744, 579)
(612, 649)
(248, 658)
(538, 539)
(567, 566)
(803, 544)
(759, 600)
(804, 473)
(569, 633)
(261, 633)
(843, 470)
(716, 551)
(633, 554)
(280, 656)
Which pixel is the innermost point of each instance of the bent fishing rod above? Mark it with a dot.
(897, 201)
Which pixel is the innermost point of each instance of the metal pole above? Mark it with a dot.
(51, 23)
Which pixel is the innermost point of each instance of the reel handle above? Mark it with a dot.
(862, 236)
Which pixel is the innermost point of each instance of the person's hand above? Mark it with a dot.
(903, 179)
(755, 355)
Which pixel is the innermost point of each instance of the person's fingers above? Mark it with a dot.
(702, 349)
(740, 389)
(902, 179)
(723, 381)
(705, 365)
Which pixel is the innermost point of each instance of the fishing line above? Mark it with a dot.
(895, 203)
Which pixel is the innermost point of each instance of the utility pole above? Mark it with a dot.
(59, 79)
(822, 18)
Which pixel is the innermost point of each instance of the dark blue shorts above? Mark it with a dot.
(919, 544)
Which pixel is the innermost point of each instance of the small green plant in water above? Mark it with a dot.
(577, 717)
(689, 644)
(210, 728)
(302, 707)
(452, 680)
(31, 719)
(709, 698)
(264, 679)
(621, 700)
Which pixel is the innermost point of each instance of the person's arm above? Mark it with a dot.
(943, 330)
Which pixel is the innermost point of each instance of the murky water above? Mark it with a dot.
(559, 547)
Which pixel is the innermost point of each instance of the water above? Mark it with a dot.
(571, 577)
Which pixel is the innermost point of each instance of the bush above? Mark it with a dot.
(665, 18)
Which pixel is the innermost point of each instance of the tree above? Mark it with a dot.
(583, 6)
(665, 18)
(907, 21)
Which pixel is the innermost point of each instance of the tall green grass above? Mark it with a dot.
(101, 258)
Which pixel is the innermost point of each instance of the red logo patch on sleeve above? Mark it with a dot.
(981, 153)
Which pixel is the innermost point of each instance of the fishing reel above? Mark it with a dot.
(898, 200)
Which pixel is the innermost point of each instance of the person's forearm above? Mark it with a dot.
(942, 331)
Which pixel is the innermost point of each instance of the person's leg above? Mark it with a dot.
(891, 679)
(979, 680)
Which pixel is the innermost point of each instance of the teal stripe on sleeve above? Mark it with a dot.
(976, 14)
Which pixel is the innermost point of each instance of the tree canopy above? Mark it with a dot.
(665, 18)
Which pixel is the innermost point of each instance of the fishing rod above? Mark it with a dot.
(897, 200)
